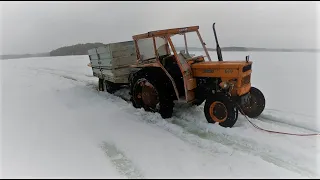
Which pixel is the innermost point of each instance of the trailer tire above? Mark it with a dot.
(111, 87)
(101, 85)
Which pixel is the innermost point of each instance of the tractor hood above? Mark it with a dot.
(221, 64)
(221, 68)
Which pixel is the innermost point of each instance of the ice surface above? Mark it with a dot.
(55, 124)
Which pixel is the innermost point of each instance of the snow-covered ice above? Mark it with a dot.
(56, 124)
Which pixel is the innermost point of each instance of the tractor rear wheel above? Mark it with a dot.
(256, 104)
(219, 108)
(151, 95)
(198, 102)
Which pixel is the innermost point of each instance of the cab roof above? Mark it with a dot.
(164, 32)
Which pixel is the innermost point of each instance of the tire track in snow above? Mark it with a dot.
(117, 157)
(63, 71)
(66, 74)
(121, 162)
(289, 112)
(199, 135)
(201, 130)
(291, 121)
(248, 146)
(186, 118)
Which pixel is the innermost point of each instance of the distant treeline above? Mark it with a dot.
(252, 49)
(265, 49)
(78, 49)
(17, 56)
(82, 49)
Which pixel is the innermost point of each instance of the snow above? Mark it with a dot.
(1, 105)
(56, 124)
(318, 67)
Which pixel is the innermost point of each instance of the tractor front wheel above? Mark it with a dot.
(219, 108)
(256, 104)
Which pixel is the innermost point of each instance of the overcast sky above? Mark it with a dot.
(32, 27)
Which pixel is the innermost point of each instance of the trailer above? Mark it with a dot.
(111, 64)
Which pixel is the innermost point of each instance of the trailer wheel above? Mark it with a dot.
(110, 87)
(219, 108)
(150, 94)
(256, 104)
(100, 85)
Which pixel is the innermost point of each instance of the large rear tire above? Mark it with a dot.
(198, 102)
(150, 93)
(256, 104)
(219, 108)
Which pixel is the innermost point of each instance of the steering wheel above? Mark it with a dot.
(194, 58)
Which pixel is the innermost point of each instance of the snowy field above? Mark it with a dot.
(55, 124)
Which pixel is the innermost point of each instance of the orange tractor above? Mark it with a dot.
(162, 76)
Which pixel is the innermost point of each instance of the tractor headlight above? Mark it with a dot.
(224, 85)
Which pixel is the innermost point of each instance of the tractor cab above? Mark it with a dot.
(164, 45)
(159, 49)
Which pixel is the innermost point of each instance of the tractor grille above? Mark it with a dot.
(245, 80)
(246, 68)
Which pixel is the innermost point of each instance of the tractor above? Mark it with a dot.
(161, 76)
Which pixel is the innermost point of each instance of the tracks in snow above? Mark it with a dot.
(265, 152)
(198, 134)
(120, 161)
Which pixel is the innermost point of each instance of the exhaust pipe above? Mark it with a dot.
(219, 53)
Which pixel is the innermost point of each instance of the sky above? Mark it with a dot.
(34, 27)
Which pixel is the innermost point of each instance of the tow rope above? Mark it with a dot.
(275, 132)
